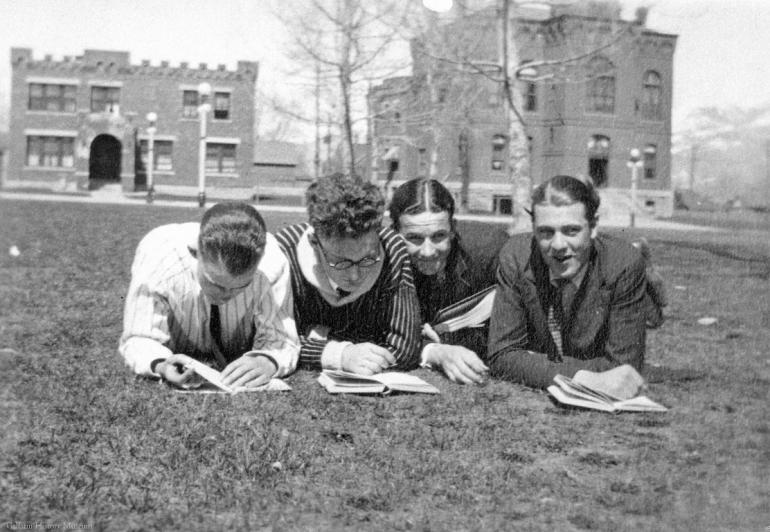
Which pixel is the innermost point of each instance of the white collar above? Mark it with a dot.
(314, 273)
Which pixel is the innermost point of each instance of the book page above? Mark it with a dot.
(347, 378)
(396, 378)
(337, 381)
(620, 383)
(640, 404)
(574, 400)
(469, 312)
(571, 387)
(212, 382)
(273, 385)
(210, 374)
(335, 384)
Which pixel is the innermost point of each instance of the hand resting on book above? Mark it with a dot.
(366, 358)
(459, 363)
(248, 371)
(622, 382)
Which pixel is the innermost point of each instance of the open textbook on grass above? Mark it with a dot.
(616, 390)
(472, 311)
(210, 380)
(337, 381)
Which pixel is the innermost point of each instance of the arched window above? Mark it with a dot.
(600, 89)
(651, 95)
(650, 161)
(599, 159)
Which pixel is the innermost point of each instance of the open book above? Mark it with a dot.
(570, 392)
(472, 311)
(337, 381)
(210, 381)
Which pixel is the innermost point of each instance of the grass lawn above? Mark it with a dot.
(84, 442)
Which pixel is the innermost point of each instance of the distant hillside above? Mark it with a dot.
(728, 150)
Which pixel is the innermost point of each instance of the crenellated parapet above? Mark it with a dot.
(118, 63)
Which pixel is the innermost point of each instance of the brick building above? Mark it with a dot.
(81, 122)
(582, 116)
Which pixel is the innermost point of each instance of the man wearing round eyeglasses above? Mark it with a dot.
(446, 270)
(355, 303)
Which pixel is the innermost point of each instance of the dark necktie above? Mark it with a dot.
(215, 328)
(342, 293)
(556, 316)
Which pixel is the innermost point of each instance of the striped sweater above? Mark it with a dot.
(387, 314)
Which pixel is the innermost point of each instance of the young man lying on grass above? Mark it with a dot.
(567, 298)
(354, 297)
(218, 292)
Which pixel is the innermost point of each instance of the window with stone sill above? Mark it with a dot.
(50, 152)
(52, 97)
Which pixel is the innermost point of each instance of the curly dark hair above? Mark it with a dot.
(235, 233)
(343, 206)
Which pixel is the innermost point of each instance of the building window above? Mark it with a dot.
(54, 152)
(650, 161)
(422, 162)
(651, 95)
(502, 204)
(220, 158)
(50, 97)
(601, 86)
(599, 159)
(530, 97)
(499, 143)
(190, 104)
(162, 153)
(221, 105)
(105, 99)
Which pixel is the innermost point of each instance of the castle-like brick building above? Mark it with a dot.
(601, 86)
(80, 122)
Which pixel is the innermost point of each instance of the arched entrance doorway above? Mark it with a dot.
(598, 159)
(104, 160)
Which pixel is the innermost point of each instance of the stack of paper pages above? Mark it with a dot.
(472, 311)
(336, 381)
(210, 381)
(571, 392)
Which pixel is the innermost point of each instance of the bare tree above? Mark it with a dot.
(462, 54)
(341, 45)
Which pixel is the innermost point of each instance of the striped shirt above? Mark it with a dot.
(166, 311)
(387, 314)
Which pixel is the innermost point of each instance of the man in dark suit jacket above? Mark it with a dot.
(567, 299)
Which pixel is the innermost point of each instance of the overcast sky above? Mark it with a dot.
(721, 57)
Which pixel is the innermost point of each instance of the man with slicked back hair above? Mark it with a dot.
(567, 297)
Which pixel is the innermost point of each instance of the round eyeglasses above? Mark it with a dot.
(346, 264)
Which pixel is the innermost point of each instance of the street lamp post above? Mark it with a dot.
(634, 163)
(152, 118)
(204, 90)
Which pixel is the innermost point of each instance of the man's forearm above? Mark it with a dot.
(140, 352)
(534, 369)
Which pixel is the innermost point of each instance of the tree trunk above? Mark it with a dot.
(465, 168)
(518, 144)
(348, 155)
